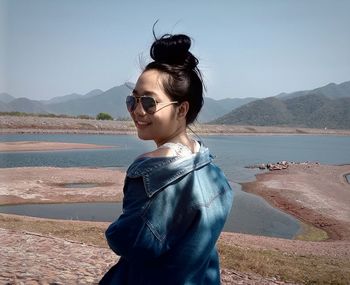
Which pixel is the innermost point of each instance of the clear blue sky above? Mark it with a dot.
(246, 48)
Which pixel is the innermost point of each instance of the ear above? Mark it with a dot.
(183, 109)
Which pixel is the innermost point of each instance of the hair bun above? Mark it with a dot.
(174, 50)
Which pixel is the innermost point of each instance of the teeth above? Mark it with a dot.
(142, 123)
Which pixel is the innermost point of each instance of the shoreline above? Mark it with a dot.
(303, 192)
(297, 196)
(47, 125)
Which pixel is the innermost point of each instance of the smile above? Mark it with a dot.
(140, 124)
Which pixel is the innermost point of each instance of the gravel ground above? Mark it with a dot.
(30, 258)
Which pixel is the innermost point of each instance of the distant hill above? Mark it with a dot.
(23, 105)
(111, 101)
(330, 90)
(312, 110)
(61, 99)
(213, 109)
(92, 93)
(322, 107)
(6, 98)
(73, 96)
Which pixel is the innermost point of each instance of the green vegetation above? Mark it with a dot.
(104, 116)
(311, 233)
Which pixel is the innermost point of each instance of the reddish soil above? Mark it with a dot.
(47, 185)
(316, 194)
(44, 146)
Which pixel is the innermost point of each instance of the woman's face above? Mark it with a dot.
(164, 124)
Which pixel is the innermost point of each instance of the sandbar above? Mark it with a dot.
(314, 193)
(23, 185)
(18, 146)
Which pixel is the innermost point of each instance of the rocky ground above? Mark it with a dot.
(31, 258)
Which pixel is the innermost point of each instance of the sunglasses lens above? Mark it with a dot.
(148, 104)
(130, 103)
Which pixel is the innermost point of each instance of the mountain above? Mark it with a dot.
(6, 98)
(326, 106)
(330, 90)
(311, 110)
(213, 109)
(92, 93)
(73, 96)
(61, 99)
(23, 105)
(271, 111)
(111, 101)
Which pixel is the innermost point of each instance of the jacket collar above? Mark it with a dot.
(161, 171)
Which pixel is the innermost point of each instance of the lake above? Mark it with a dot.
(250, 213)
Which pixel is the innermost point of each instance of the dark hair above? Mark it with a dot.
(183, 80)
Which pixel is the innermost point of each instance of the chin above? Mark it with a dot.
(143, 136)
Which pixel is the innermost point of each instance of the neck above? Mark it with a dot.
(179, 136)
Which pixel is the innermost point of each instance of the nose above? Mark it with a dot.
(139, 109)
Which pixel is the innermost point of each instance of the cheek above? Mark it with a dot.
(165, 120)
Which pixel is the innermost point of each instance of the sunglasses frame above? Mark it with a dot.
(139, 99)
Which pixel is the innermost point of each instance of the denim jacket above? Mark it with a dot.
(174, 209)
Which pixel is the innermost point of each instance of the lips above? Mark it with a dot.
(141, 124)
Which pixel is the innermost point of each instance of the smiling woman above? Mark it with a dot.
(176, 201)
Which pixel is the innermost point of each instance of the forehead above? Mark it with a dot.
(150, 82)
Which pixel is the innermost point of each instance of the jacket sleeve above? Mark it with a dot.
(129, 236)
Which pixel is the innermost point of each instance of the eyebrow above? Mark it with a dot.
(146, 93)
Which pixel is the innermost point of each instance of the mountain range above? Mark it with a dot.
(323, 107)
(111, 101)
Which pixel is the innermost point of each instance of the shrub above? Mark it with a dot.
(104, 116)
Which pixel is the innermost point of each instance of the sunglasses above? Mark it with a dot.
(148, 103)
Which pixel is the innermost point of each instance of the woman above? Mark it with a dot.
(176, 200)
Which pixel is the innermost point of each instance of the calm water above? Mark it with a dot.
(250, 213)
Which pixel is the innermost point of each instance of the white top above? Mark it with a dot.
(179, 149)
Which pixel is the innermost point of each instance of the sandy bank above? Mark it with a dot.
(316, 194)
(32, 124)
(48, 185)
(45, 146)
